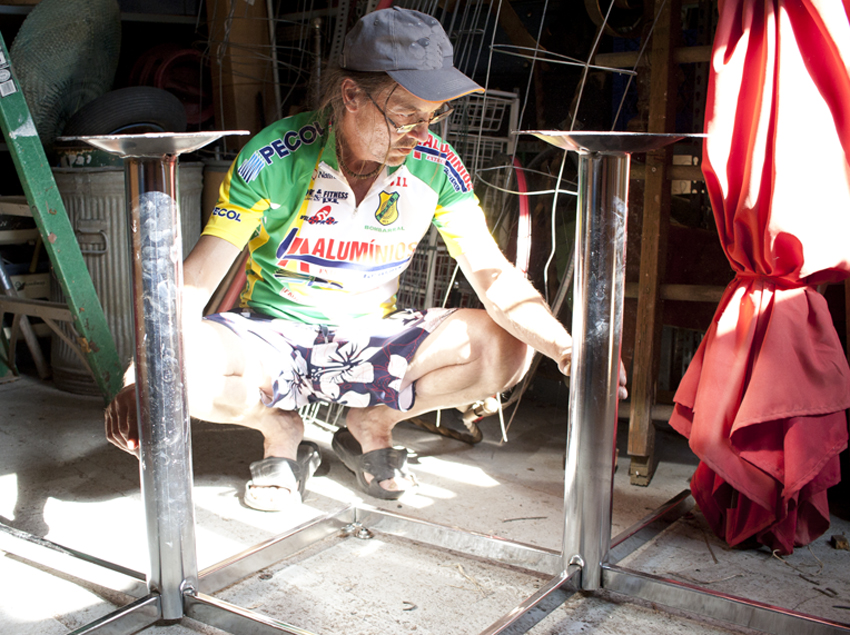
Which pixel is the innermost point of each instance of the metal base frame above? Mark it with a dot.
(174, 589)
(352, 522)
(362, 522)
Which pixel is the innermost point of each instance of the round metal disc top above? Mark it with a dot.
(608, 142)
(154, 144)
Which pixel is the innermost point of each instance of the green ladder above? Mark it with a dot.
(83, 310)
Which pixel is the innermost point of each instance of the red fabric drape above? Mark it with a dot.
(763, 401)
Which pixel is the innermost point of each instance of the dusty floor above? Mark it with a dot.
(61, 480)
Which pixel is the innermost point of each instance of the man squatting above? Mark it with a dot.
(332, 204)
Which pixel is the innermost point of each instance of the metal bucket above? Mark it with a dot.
(96, 204)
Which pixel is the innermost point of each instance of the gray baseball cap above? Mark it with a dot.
(412, 48)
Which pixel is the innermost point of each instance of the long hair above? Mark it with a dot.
(331, 104)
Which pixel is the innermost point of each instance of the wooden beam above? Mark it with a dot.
(628, 59)
(660, 412)
(682, 292)
(656, 215)
(43, 309)
(674, 172)
(243, 76)
(15, 206)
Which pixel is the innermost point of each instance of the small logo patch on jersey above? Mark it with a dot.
(387, 212)
(322, 217)
(229, 214)
(280, 148)
(433, 150)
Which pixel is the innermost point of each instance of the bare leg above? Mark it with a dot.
(226, 377)
(467, 358)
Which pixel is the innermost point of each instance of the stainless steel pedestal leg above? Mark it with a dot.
(165, 459)
(598, 291)
(588, 478)
(596, 330)
(150, 171)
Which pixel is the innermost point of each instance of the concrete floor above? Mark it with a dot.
(60, 479)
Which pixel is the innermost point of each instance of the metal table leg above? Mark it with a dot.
(598, 291)
(164, 436)
(597, 321)
(150, 175)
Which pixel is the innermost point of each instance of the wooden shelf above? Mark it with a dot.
(15, 206)
(18, 236)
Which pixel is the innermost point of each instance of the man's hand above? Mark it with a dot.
(565, 363)
(622, 393)
(122, 428)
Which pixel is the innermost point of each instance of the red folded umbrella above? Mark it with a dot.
(763, 401)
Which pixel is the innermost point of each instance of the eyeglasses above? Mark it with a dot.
(409, 127)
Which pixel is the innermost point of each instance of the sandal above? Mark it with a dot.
(283, 474)
(382, 464)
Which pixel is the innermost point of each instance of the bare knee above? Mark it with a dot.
(505, 358)
(223, 381)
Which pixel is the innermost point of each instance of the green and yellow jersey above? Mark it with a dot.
(315, 255)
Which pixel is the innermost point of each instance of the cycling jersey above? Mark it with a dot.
(315, 255)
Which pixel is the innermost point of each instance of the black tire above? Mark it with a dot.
(136, 109)
(65, 55)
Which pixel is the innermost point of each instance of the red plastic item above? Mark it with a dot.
(763, 400)
(182, 72)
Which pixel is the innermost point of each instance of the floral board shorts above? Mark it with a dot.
(359, 364)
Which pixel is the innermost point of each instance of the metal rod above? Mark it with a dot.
(316, 64)
(235, 619)
(729, 608)
(596, 330)
(71, 562)
(165, 458)
(278, 102)
(646, 529)
(554, 586)
(239, 566)
(127, 620)
(494, 548)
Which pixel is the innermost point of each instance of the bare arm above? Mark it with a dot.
(203, 270)
(514, 304)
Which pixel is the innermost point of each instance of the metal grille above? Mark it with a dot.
(481, 126)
